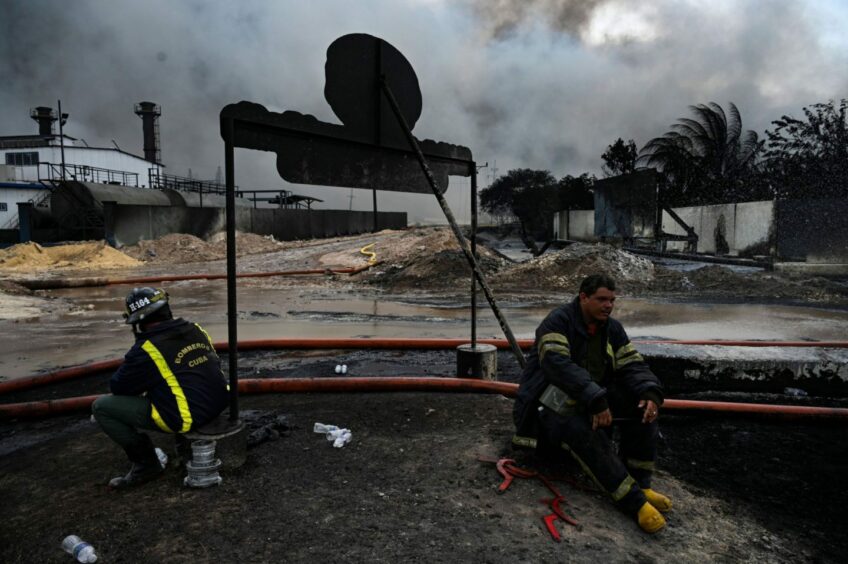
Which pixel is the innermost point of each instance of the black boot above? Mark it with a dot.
(145, 465)
(182, 445)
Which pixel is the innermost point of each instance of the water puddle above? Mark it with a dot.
(30, 346)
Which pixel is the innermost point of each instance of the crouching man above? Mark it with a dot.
(582, 375)
(170, 381)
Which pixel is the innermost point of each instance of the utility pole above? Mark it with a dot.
(62, 119)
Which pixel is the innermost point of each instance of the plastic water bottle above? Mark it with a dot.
(80, 549)
(163, 458)
(321, 428)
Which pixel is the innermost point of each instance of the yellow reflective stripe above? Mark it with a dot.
(550, 347)
(640, 464)
(623, 489)
(611, 355)
(154, 414)
(173, 384)
(208, 338)
(630, 360)
(627, 354)
(556, 342)
(528, 442)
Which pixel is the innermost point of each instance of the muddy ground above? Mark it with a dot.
(410, 486)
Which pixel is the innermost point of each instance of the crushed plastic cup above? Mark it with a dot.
(339, 437)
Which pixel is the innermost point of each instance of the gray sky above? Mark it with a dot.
(537, 83)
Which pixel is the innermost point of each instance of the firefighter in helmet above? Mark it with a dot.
(170, 381)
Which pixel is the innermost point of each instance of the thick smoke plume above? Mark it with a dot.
(540, 84)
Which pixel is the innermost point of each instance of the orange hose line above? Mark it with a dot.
(431, 384)
(364, 343)
(721, 343)
(448, 343)
(57, 283)
(58, 375)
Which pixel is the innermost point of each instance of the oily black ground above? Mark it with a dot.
(410, 487)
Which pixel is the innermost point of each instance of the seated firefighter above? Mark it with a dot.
(581, 376)
(170, 381)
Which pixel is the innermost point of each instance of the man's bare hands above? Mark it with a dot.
(652, 411)
(602, 419)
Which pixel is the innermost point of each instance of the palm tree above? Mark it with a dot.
(706, 158)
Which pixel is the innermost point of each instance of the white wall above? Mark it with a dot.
(11, 196)
(745, 225)
(575, 225)
(101, 158)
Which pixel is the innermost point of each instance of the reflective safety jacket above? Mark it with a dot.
(556, 374)
(175, 365)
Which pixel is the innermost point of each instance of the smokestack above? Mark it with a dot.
(45, 116)
(149, 113)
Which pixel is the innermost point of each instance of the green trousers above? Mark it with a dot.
(121, 417)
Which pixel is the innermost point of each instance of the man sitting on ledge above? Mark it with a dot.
(581, 376)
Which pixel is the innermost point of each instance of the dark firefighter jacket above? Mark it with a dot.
(556, 376)
(175, 364)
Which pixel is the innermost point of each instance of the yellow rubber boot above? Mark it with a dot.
(649, 519)
(658, 500)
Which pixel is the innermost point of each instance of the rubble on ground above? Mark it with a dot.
(720, 281)
(564, 269)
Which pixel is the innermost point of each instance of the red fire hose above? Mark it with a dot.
(430, 384)
(364, 343)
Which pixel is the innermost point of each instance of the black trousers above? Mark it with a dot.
(624, 474)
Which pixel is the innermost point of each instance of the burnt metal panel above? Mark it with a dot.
(815, 231)
(626, 205)
(369, 149)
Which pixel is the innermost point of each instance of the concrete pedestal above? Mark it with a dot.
(479, 361)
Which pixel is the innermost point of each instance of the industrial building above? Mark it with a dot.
(54, 187)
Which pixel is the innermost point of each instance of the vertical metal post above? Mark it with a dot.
(474, 252)
(375, 210)
(378, 110)
(109, 210)
(61, 137)
(463, 244)
(232, 313)
(25, 222)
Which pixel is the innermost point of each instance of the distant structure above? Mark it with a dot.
(149, 113)
(33, 166)
(776, 234)
(54, 187)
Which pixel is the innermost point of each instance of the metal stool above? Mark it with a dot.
(230, 440)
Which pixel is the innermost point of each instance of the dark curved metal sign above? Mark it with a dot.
(369, 149)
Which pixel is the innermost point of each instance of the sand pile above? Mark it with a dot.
(179, 248)
(94, 255)
(564, 270)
